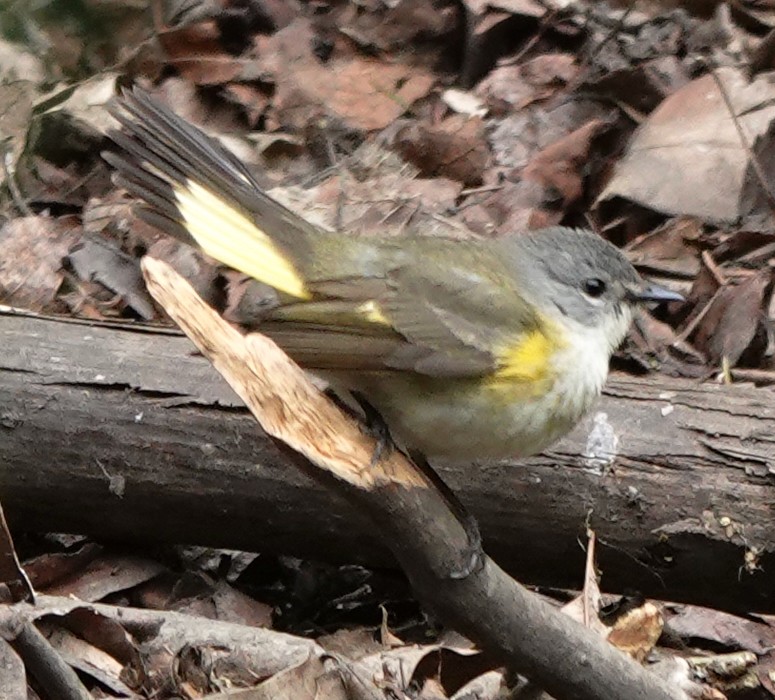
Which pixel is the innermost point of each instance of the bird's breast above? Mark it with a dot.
(524, 407)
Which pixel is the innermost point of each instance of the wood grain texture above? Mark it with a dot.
(123, 433)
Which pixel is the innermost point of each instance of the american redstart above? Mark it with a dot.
(474, 349)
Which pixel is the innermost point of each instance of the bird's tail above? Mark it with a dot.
(195, 190)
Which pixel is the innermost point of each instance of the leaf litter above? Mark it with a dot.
(652, 125)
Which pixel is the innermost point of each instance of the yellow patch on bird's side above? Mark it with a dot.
(227, 235)
(527, 361)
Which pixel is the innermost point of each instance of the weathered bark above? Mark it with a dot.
(442, 559)
(123, 433)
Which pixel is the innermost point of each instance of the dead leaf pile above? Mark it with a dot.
(132, 626)
(432, 118)
(652, 123)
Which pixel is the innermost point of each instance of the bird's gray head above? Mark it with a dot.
(584, 278)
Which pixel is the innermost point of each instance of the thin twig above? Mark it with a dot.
(10, 177)
(760, 377)
(714, 269)
(53, 673)
(684, 335)
(480, 190)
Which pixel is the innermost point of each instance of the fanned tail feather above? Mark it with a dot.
(195, 190)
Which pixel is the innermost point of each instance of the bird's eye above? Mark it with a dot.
(594, 287)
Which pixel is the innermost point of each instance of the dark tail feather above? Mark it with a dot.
(195, 190)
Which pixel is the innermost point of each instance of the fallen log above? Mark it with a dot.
(424, 529)
(121, 432)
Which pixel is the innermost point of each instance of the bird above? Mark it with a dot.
(480, 349)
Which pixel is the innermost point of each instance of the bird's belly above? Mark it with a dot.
(462, 420)
(457, 420)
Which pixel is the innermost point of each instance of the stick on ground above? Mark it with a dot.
(501, 616)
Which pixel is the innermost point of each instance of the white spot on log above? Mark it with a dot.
(602, 445)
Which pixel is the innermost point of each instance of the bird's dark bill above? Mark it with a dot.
(653, 292)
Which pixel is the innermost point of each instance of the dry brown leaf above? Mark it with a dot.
(385, 200)
(221, 121)
(232, 651)
(31, 253)
(513, 207)
(247, 300)
(519, 136)
(197, 52)
(220, 601)
(17, 64)
(364, 94)
(670, 249)
(691, 622)
(704, 287)
(253, 100)
(455, 148)
(202, 272)
(104, 576)
(585, 608)
(640, 89)
(353, 644)
(13, 679)
(85, 102)
(88, 659)
(687, 159)
(514, 87)
(637, 631)
(730, 673)
(560, 166)
(540, 194)
(46, 569)
(312, 679)
(529, 8)
(651, 339)
(16, 104)
(99, 260)
(733, 321)
(393, 26)
(387, 638)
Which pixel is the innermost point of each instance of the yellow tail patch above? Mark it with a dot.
(234, 240)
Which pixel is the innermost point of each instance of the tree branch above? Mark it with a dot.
(497, 613)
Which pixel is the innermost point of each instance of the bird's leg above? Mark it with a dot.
(474, 553)
(370, 420)
(375, 425)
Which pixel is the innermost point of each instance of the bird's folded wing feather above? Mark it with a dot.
(425, 305)
(434, 318)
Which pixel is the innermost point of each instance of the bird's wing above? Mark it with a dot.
(425, 305)
(448, 311)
